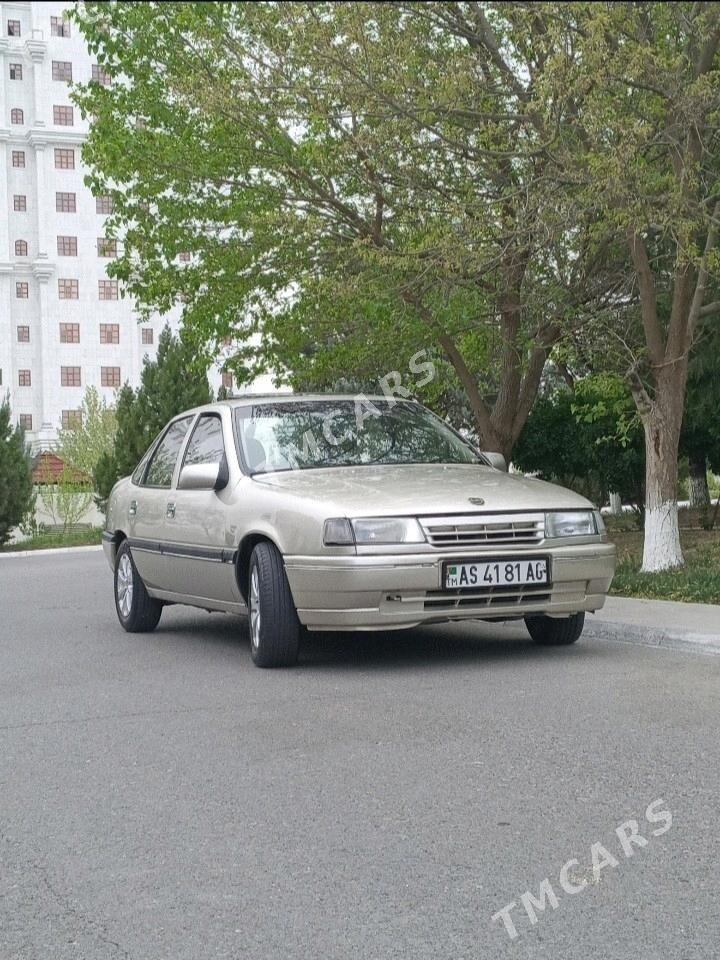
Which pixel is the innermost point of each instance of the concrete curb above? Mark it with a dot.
(652, 636)
(50, 551)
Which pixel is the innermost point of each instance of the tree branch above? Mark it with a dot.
(648, 301)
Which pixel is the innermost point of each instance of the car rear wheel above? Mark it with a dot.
(137, 611)
(551, 632)
(273, 620)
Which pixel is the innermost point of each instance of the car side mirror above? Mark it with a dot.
(199, 476)
(496, 460)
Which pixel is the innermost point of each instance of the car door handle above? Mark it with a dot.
(170, 511)
(132, 509)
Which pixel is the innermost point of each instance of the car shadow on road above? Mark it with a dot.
(461, 644)
(445, 645)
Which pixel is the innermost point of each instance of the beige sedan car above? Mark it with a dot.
(346, 513)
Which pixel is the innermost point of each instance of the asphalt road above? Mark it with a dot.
(162, 798)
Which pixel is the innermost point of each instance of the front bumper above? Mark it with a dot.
(388, 592)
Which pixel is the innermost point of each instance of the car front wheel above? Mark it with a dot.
(137, 611)
(274, 624)
(553, 632)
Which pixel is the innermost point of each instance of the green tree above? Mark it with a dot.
(588, 438)
(643, 177)
(81, 446)
(174, 381)
(700, 437)
(66, 497)
(17, 498)
(356, 181)
(105, 476)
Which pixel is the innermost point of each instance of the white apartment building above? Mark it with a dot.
(64, 325)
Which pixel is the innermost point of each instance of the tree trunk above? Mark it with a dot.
(699, 492)
(662, 550)
(615, 504)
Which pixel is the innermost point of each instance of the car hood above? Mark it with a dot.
(421, 489)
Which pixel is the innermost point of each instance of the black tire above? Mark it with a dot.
(275, 635)
(141, 613)
(551, 632)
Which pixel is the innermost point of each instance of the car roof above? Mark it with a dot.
(249, 398)
(297, 397)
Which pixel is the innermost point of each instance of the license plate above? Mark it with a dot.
(497, 573)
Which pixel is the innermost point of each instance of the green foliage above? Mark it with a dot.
(41, 539)
(589, 439)
(17, 498)
(554, 445)
(130, 443)
(66, 497)
(700, 436)
(105, 476)
(356, 181)
(174, 381)
(697, 582)
(82, 446)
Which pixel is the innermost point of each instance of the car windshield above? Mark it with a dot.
(308, 434)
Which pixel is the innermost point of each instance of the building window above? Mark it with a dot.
(106, 247)
(147, 334)
(21, 248)
(70, 377)
(71, 419)
(62, 116)
(16, 71)
(67, 246)
(68, 289)
(17, 116)
(109, 333)
(103, 204)
(25, 420)
(107, 289)
(24, 378)
(227, 379)
(22, 291)
(109, 376)
(18, 158)
(64, 158)
(13, 28)
(59, 27)
(23, 334)
(20, 202)
(65, 202)
(62, 70)
(69, 333)
(99, 75)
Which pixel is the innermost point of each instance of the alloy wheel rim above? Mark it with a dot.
(125, 585)
(255, 609)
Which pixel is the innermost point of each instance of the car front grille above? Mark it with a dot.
(445, 600)
(480, 530)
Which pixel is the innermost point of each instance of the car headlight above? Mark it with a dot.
(386, 530)
(570, 523)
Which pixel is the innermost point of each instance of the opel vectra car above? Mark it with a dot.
(346, 513)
